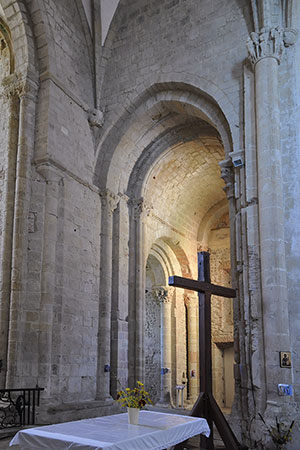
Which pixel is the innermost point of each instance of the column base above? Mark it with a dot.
(48, 414)
(104, 399)
(165, 401)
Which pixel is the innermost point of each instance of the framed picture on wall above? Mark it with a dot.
(285, 359)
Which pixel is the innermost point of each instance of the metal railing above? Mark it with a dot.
(18, 406)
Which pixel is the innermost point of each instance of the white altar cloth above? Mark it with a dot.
(155, 431)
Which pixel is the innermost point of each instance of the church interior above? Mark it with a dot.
(135, 135)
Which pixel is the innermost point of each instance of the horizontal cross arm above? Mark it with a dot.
(201, 286)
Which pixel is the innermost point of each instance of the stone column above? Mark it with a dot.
(191, 303)
(139, 292)
(139, 210)
(165, 295)
(265, 52)
(26, 91)
(119, 318)
(109, 202)
(9, 101)
(241, 344)
(48, 276)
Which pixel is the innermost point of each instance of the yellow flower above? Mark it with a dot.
(134, 398)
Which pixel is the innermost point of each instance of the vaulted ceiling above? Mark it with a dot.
(108, 9)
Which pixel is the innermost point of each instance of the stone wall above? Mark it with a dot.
(174, 81)
(154, 40)
(72, 48)
(222, 308)
(153, 362)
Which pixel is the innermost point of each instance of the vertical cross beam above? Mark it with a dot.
(205, 361)
(204, 326)
(206, 406)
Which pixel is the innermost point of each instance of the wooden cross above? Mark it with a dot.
(206, 406)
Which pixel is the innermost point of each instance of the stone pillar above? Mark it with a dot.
(265, 52)
(139, 292)
(119, 318)
(241, 344)
(53, 179)
(191, 303)
(9, 101)
(109, 203)
(139, 210)
(166, 295)
(27, 91)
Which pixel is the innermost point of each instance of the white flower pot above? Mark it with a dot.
(133, 416)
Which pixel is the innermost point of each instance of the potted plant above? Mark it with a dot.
(134, 399)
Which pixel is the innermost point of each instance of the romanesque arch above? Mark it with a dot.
(168, 125)
(144, 111)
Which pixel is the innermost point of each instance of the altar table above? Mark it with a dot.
(155, 431)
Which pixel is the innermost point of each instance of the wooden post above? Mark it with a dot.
(206, 406)
(205, 363)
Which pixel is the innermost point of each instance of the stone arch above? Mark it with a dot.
(185, 132)
(158, 120)
(20, 36)
(30, 35)
(155, 280)
(165, 258)
(211, 216)
(192, 100)
(166, 255)
(6, 41)
(180, 255)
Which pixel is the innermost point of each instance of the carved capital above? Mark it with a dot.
(164, 295)
(13, 86)
(290, 36)
(268, 43)
(95, 118)
(141, 209)
(228, 177)
(109, 201)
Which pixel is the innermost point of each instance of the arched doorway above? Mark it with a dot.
(188, 204)
(174, 142)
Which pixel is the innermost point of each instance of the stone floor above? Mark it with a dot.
(4, 444)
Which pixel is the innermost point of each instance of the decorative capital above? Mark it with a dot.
(13, 86)
(109, 201)
(227, 175)
(268, 43)
(141, 208)
(290, 36)
(164, 295)
(95, 118)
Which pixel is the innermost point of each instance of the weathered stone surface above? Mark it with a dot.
(117, 164)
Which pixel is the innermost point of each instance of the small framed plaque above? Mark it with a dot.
(285, 359)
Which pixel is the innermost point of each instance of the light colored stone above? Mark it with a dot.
(116, 168)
